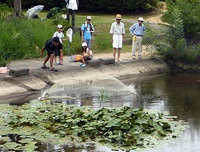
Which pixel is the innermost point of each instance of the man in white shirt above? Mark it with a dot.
(72, 6)
(117, 32)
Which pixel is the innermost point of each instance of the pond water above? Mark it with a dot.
(178, 95)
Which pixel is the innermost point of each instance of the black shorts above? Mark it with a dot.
(57, 51)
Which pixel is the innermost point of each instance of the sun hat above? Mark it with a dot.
(56, 39)
(140, 19)
(59, 26)
(84, 44)
(88, 17)
(118, 16)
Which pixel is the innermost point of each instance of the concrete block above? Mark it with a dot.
(18, 72)
(107, 60)
(93, 62)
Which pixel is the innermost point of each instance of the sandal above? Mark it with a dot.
(55, 70)
(45, 67)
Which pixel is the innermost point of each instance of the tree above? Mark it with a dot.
(17, 8)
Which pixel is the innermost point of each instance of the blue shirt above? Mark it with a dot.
(87, 29)
(135, 29)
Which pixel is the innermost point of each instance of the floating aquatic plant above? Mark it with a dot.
(123, 128)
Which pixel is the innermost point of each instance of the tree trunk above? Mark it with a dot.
(17, 8)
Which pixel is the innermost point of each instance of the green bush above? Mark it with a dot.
(175, 46)
(189, 11)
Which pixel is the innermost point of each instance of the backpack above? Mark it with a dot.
(91, 29)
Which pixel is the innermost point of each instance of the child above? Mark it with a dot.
(60, 35)
(87, 53)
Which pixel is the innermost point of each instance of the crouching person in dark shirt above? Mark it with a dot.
(52, 46)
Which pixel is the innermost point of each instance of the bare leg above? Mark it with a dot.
(61, 57)
(51, 61)
(55, 59)
(114, 52)
(119, 51)
(46, 60)
(82, 60)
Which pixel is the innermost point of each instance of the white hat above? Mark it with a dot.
(84, 44)
(88, 17)
(59, 26)
(140, 19)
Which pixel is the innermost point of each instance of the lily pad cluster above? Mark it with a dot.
(123, 128)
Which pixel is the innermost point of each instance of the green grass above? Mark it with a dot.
(23, 38)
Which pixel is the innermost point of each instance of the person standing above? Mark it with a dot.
(117, 32)
(60, 35)
(137, 30)
(87, 32)
(51, 46)
(72, 6)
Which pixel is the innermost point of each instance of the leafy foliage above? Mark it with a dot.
(123, 128)
(189, 12)
(183, 32)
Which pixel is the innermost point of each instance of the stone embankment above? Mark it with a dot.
(19, 88)
(181, 67)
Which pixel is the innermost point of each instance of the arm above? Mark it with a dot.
(131, 29)
(42, 51)
(82, 32)
(112, 32)
(77, 1)
(123, 33)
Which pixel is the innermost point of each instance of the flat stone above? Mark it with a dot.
(93, 62)
(107, 60)
(18, 72)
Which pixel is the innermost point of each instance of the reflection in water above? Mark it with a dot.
(179, 95)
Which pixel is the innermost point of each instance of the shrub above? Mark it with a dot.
(189, 11)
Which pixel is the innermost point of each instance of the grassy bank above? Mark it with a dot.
(23, 39)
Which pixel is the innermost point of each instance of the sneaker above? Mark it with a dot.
(60, 64)
(133, 57)
(45, 67)
(140, 57)
(116, 60)
(82, 65)
(54, 70)
(119, 60)
(56, 63)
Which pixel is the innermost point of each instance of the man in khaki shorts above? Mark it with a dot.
(117, 32)
(137, 31)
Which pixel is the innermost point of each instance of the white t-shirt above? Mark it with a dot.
(117, 29)
(59, 35)
(88, 51)
(72, 5)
